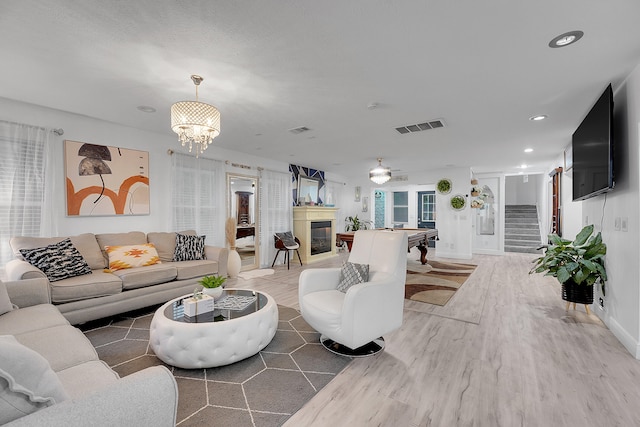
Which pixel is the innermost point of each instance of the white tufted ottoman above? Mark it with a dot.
(220, 338)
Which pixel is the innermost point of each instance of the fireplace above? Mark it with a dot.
(320, 237)
(315, 227)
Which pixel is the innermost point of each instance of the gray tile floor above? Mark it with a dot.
(263, 390)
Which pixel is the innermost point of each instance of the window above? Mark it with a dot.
(198, 197)
(23, 169)
(400, 206)
(428, 207)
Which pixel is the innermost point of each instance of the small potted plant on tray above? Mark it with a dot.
(577, 265)
(212, 285)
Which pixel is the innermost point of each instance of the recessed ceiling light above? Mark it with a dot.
(528, 150)
(538, 118)
(523, 166)
(566, 39)
(146, 109)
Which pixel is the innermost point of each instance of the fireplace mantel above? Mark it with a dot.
(303, 216)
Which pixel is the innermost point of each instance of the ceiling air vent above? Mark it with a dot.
(298, 130)
(433, 124)
(399, 178)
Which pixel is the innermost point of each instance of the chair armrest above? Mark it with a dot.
(145, 398)
(219, 254)
(318, 279)
(18, 269)
(366, 301)
(28, 292)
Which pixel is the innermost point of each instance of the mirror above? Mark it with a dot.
(308, 190)
(242, 202)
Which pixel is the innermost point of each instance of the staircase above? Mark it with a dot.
(521, 233)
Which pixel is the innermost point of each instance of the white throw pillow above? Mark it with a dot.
(27, 382)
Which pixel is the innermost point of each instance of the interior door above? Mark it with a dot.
(427, 212)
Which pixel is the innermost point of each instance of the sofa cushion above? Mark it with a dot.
(191, 269)
(27, 382)
(140, 277)
(74, 379)
(97, 284)
(22, 320)
(116, 239)
(86, 244)
(58, 261)
(129, 256)
(5, 302)
(165, 244)
(189, 248)
(63, 346)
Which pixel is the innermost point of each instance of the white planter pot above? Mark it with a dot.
(234, 263)
(213, 292)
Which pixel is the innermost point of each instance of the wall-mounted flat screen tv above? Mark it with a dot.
(593, 147)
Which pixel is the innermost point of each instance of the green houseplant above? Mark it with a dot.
(353, 223)
(577, 264)
(212, 285)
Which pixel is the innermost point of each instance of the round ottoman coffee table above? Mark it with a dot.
(226, 335)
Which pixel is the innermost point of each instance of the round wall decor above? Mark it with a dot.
(444, 186)
(458, 202)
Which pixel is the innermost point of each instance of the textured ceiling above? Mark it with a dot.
(269, 66)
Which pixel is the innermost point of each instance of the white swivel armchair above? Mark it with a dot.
(353, 322)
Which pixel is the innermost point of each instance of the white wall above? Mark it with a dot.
(454, 227)
(622, 301)
(85, 129)
(518, 192)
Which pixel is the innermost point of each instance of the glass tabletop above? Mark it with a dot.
(233, 303)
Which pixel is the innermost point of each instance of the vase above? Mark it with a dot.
(213, 292)
(234, 263)
(580, 294)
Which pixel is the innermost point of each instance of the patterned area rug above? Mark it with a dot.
(435, 282)
(261, 391)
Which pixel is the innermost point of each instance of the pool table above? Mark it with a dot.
(417, 237)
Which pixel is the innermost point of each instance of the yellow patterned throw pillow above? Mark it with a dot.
(121, 257)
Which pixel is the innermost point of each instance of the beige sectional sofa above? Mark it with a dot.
(50, 374)
(104, 293)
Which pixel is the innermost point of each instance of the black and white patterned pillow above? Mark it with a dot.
(352, 274)
(189, 248)
(58, 261)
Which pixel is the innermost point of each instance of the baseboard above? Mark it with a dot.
(456, 255)
(630, 343)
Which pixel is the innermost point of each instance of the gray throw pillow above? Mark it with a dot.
(352, 274)
(27, 382)
(189, 248)
(58, 261)
(5, 302)
(288, 240)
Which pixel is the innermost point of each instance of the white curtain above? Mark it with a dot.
(198, 196)
(276, 213)
(333, 195)
(27, 184)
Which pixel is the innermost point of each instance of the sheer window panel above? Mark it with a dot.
(25, 179)
(275, 211)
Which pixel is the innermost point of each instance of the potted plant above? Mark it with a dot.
(212, 285)
(354, 223)
(576, 264)
(476, 190)
(444, 186)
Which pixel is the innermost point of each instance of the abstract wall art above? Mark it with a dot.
(103, 180)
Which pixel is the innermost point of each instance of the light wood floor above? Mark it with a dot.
(502, 352)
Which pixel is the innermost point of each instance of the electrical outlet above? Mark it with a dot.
(586, 220)
(624, 222)
(616, 224)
